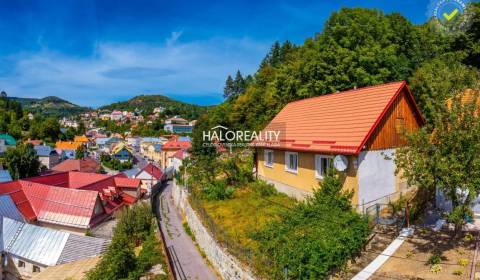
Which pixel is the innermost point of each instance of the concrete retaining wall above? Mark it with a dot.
(227, 265)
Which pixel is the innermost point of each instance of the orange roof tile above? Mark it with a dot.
(176, 145)
(338, 123)
(67, 145)
(82, 139)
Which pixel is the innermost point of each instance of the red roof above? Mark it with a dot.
(61, 205)
(335, 123)
(69, 198)
(14, 189)
(82, 165)
(180, 154)
(152, 170)
(176, 145)
(127, 182)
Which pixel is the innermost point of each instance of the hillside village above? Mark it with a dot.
(354, 155)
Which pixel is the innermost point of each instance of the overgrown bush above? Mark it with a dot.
(135, 226)
(313, 239)
(114, 163)
(218, 190)
(263, 188)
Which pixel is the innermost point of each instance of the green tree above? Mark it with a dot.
(314, 238)
(22, 161)
(81, 152)
(229, 89)
(117, 262)
(239, 84)
(469, 42)
(437, 80)
(444, 155)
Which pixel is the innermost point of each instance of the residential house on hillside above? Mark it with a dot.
(158, 110)
(27, 249)
(82, 139)
(47, 156)
(34, 142)
(5, 176)
(177, 159)
(87, 165)
(170, 148)
(360, 129)
(177, 125)
(71, 201)
(134, 142)
(65, 122)
(67, 148)
(146, 142)
(153, 152)
(6, 141)
(122, 152)
(150, 176)
(105, 144)
(116, 115)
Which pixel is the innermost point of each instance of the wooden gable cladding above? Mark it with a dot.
(401, 117)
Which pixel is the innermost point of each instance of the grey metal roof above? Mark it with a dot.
(81, 247)
(5, 176)
(151, 139)
(9, 209)
(37, 244)
(46, 246)
(102, 141)
(44, 151)
(132, 172)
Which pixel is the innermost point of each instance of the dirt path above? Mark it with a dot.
(192, 263)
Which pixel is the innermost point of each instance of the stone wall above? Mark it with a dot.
(227, 265)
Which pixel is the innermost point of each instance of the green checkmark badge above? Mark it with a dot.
(451, 15)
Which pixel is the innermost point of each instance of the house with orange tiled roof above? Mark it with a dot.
(356, 131)
(171, 147)
(82, 139)
(67, 148)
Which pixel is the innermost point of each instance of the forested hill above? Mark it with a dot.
(147, 103)
(357, 47)
(50, 106)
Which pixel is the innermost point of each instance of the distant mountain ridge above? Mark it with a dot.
(50, 106)
(146, 103)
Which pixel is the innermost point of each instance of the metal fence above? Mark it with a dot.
(386, 215)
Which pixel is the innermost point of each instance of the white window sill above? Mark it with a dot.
(292, 171)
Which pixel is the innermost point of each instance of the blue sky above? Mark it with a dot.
(96, 52)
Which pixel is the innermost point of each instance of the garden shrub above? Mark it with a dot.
(263, 188)
(218, 190)
(135, 226)
(314, 238)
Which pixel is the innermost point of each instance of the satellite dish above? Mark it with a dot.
(340, 162)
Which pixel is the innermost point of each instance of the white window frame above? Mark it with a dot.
(318, 165)
(265, 155)
(287, 162)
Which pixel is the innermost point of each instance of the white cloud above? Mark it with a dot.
(174, 37)
(117, 71)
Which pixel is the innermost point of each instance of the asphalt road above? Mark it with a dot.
(192, 263)
(141, 161)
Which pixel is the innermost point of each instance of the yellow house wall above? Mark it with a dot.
(305, 179)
